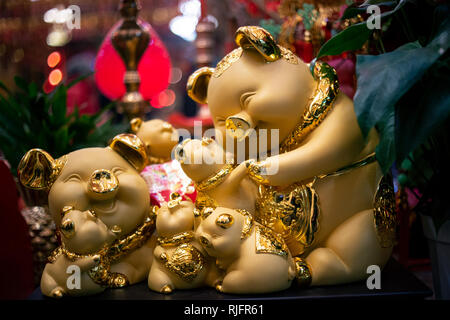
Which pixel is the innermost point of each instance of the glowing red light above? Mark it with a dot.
(55, 77)
(153, 68)
(53, 59)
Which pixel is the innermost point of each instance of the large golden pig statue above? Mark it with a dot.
(101, 206)
(320, 187)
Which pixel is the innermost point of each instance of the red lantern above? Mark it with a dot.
(153, 68)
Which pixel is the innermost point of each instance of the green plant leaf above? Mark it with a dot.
(80, 78)
(353, 11)
(349, 39)
(423, 109)
(354, 37)
(59, 106)
(384, 79)
(2, 86)
(385, 151)
(21, 83)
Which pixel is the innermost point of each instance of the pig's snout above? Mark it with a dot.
(103, 185)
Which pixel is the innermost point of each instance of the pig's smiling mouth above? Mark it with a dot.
(105, 206)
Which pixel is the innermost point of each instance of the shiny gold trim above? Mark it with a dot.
(65, 210)
(355, 165)
(68, 228)
(268, 241)
(175, 200)
(293, 212)
(226, 62)
(130, 147)
(215, 179)
(177, 239)
(303, 272)
(38, 170)
(256, 171)
(321, 103)
(101, 274)
(253, 37)
(186, 262)
(385, 218)
(248, 223)
(135, 124)
(103, 181)
(225, 221)
(197, 84)
(259, 39)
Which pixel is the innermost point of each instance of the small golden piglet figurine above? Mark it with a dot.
(101, 206)
(159, 137)
(180, 261)
(81, 232)
(217, 183)
(255, 259)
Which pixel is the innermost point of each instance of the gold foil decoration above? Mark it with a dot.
(65, 210)
(259, 39)
(253, 37)
(38, 170)
(198, 83)
(225, 221)
(303, 272)
(176, 240)
(101, 274)
(68, 228)
(215, 179)
(384, 212)
(248, 223)
(293, 212)
(130, 147)
(103, 181)
(186, 262)
(226, 62)
(268, 241)
(321, 103)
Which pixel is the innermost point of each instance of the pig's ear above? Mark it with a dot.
(259, 39)
(197, 84)
(131, 148)
(135, 124)
(38, 170)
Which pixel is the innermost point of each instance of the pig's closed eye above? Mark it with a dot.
(220, 121)
(245, 98)
(73, 178)
(118, 170)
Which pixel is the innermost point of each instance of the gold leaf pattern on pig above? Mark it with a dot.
(268, 241)
(227, 61)
(384, 212)
(186, 261)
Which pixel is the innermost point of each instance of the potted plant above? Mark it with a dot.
(403, 91)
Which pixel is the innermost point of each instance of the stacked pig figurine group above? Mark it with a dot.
(321, 218)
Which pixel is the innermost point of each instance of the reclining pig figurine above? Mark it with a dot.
(101, 205)
(320, 155)
(255, 259)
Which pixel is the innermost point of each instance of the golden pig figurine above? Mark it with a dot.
(159, 137)
(217, 183)
(101, 205)
(179, 260)
(320, 186)
(255, 258)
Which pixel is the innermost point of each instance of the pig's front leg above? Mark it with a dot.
(335, 143)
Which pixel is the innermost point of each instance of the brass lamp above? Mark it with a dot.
(131, 40)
